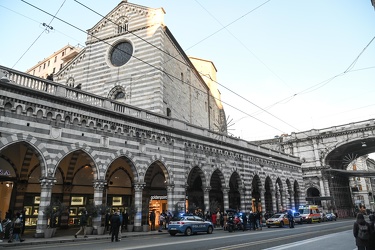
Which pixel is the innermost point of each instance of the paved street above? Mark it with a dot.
(327, 235)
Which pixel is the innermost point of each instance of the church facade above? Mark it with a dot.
(133, 128)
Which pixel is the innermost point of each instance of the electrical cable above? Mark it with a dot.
(190, 66)
(163, 71)
(47, 27)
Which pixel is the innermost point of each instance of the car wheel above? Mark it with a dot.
(230, 229)
(268, 226)
(209, 230)
(172, 233)
(188, 231)
(281, 224)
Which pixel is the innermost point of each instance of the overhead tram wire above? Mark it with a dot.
(79, 42)
(145, 62)
(172, 57)
(47, 27)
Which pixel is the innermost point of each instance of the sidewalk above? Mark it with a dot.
(67, 235)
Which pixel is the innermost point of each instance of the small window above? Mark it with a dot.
(182, 77)
(169, 112)
(122, 27)
(63, 53)
(55, 58)
(48, 63)
(53, 71)
(44, 65)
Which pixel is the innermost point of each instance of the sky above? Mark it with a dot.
(282, 66)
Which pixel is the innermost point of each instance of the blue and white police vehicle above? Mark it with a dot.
(188, 225)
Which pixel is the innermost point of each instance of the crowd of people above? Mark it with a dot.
(13, 226)
(364, 232)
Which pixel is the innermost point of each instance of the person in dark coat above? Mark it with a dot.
(252, 220)
(115, 224)
(126, 219)
(371, 243)
(244, 221)
(152, 220)
(360, 243)
(107, 220)
(82, 224)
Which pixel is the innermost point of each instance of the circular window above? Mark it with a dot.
(121, 54)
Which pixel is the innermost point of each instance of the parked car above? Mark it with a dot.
(297, 217)
(331, 217)
(189, 224)
(279, 220)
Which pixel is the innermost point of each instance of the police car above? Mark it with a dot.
(189, 224)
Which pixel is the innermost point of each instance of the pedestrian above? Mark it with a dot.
(218, 217)
(290, 219)
(50, 77)
(126, 219)
(16, 229)
(257, 220)
(371, 243)
(82, 224)
(225, 218)
(121, 221)
(107, 220)
(152, 220)
(244, 221)
(361, 232)
(116, 223)
(213, 218)
(252, 220)
(23, 217)
(161, 222)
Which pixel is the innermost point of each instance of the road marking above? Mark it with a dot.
(287, 246)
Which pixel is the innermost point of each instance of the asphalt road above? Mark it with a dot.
(327, 235)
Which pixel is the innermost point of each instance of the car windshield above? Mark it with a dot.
(276, 216)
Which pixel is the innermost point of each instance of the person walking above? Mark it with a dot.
(152, 220)
(244, 221)
(115, 223)
(16, 229)
(82, 224)
(252, 220)
(121, 221)
(161, 222)
(371, 242)
(361, 232)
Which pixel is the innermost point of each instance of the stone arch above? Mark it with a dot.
(297, 194)
(235, 189)
(256, 189)
(39, 147)
(128, 157)
(195, 184)
(268, 191)
(76, 147)
(279, 195)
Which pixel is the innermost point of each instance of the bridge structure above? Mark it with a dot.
(325, 155)
(59, 143)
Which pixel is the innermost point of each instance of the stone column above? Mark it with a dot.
(170, 203)
(263, 201)
(206, 194)
(226, 198)
(283, 199)
(274, 203)
(98, 200)
(46, 184)
(292, 203)
(138, 190)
